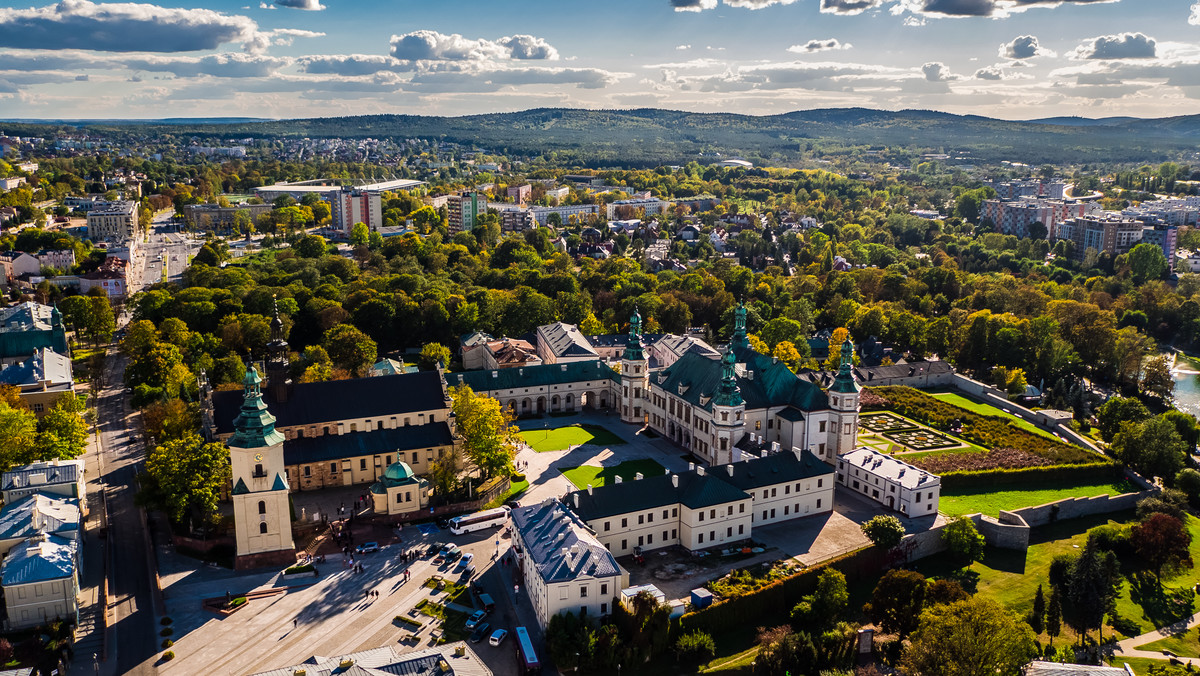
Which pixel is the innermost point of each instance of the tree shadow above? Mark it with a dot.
(1163, 606)
(967, 577)
(1006, 560)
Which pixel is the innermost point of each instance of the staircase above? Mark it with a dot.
(318, 540)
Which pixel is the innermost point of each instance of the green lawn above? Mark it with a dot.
(562, 438)
(598, 476)
(1140, 665)
(991, 502)
(515, 488)
(987, 409)
(1186, 644)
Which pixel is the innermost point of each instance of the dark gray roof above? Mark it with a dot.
(334, 400)
(534, 376)
(773, 469)
(910, 370)
(695, 491)
(40, 474)
(565, 340)
(560, 544)
(304, 450)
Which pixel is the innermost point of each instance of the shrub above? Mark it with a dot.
(517, 477)
(884, 530)
(1169, 501)
(167, 631)
(167, 643)
(303, 568)
(168, 656)
(1110, 538)
(239, 601)
(165, 621)
(402, 619)
(1060, 570)
(6, 651)
(695, 648)
(1032, 476)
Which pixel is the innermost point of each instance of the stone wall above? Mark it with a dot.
(994, 397)
(1072, 508)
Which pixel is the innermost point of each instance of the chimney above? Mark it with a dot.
(666, 471)
(589, 489)
(691, 466)
(675, 480)
(798, 453)
(729, 468)
(638, 476)
(577, 497)
(617, 479)
(700, 471)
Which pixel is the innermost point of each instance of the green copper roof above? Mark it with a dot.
(240, 487)
(728, 392)
(844, 382)
(633, 348)
(255, 426)
(739, 338)
(279, 485)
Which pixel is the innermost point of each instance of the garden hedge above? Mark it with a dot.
(1034, 476)
(986, 430)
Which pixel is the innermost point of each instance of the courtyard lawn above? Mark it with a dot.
(1140, 665)
(991, 502)
(515, 489)
(562, 438)
(987, 409)
(598, 476)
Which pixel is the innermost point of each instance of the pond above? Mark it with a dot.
(1187, 384)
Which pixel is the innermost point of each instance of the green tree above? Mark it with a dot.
(897, 601)
(350, 348)
(1147, 262)
(884, 530)
(976, 637)
(1119, 410)
(1037, 618)
(311, 246)
(101, 322)
(489, 439)
(1054, 614)
(1152, 448)
(18, 436)
(433, 354)
(359, 234)
(695, 648)
(590, 326)
(207, 255)
(1188, 481)
(963, 540)
(62, 432)
(782, 329)
(185, 477)
(822, 608)
(1091, 589)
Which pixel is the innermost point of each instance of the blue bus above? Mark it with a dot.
(527, 661)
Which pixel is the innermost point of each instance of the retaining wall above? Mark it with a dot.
(994, 397)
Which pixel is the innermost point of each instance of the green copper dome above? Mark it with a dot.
(255, 426)
(398, 471)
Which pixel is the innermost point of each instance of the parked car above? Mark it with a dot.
(446, 552)
(481, 632)
(475, 618)
(367, 547)
(498, 637)
(465, 562)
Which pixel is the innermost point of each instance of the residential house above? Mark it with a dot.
(113, 221)
(14, 264)
(59, 259)
(565, 568)
(54, 477)
(36, 514)
(40, 582)
(112, 277)
(897, 485)
(27, 327)
(41, 380)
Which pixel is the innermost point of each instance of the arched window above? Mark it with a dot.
(262, 528)
(262, 507)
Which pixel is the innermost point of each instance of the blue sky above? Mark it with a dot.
(1015, 59)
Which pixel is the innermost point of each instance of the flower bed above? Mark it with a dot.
(1000, 458)
(920, 439)
(885, 422)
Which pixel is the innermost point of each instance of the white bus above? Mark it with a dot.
(479, 520)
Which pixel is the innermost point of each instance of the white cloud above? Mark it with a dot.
(819, 76)
(123, 27)
(828, 44)
(309, 5)
(528, 47)
(216, 65)
(1194, 19)
(693, 5)
(681, 48)
(432, 46)
(756, 4)
(997, 72)
(1120, 46)
(988, 8)
(1024, 47)
(936, 71)
(849, 7)
(914, 21)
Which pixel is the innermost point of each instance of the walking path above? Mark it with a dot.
(1128, 647)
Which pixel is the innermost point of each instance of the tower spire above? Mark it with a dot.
(633, 348)
(728, 392)
(739, 338)
(254, 426)
(844, 382)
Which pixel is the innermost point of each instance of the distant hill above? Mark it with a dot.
(649, 136)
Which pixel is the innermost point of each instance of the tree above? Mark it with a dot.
(782, 329)
(1054, 614)
(185, 477)
(18, 435)
(884, 530)
(101, 322)
(311, 246)
(1091, 589)
(1162, 542)
(207, 255)
(1152, 448)
(1188, 481)
(976, 637)
(433, 354)
(590, 326)
(941, 592)
(489, 439)
(695, 648)
(822, 608)
(1147, 262)
(1037, 619)
(786, 352)
(1119, 410)
(350, 348)
(963, 540)
(62, 433)
(897, 601)
(1156, 377)
(359, 234)
(567, 639)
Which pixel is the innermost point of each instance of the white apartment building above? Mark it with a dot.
(356, 206)
(892, 483)
(579, 212)
(647, 206)
(706, 507)
(564, 566)
(112, 221)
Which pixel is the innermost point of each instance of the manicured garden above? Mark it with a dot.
(598, 476)
(987, 409)
(562, 438)
(991, 502)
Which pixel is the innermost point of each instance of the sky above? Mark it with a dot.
(1010, 59)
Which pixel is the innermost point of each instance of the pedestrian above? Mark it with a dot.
(294, 622)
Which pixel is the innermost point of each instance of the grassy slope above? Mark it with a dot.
(598, 476)
(991, 502)
(1186, 644)
(986, 409)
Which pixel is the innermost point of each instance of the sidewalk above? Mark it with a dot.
(1128, 647)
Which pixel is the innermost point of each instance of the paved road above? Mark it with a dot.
(134, 624)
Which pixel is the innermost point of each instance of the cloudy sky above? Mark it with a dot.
(1014, 59)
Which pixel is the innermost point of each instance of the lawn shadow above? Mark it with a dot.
(1005, 560)
(1163, 606)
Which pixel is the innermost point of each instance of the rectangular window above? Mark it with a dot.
(674, 511)
(820, 482)
(362, 464)
(918, 497)
(772, 514)
(583, 592)
(702, 538)
(333, 468)
(603, 588)
(797, 488)
(414, 457)
(641, 540)
(624, 523)
(818, 503)
(641, 519)
(666, 535)
(712, 513)
(603, 608)
(729, 532)
(307, 471)
(650, 517)
(606, 525)
(563, 593)
(764, 515)
(712, 536)
(785, 510)
(701, 516)
(742, 508)
(624, 545)
(650, 538)
(674, 533)
(666, 514)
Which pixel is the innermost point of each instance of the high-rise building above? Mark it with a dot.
(464, 209)
(351, 206)
(112, 221)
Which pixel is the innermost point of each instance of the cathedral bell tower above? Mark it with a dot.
(729, 413)
(843, 399)
(635, 375)
(277, 360)
(262, 516)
